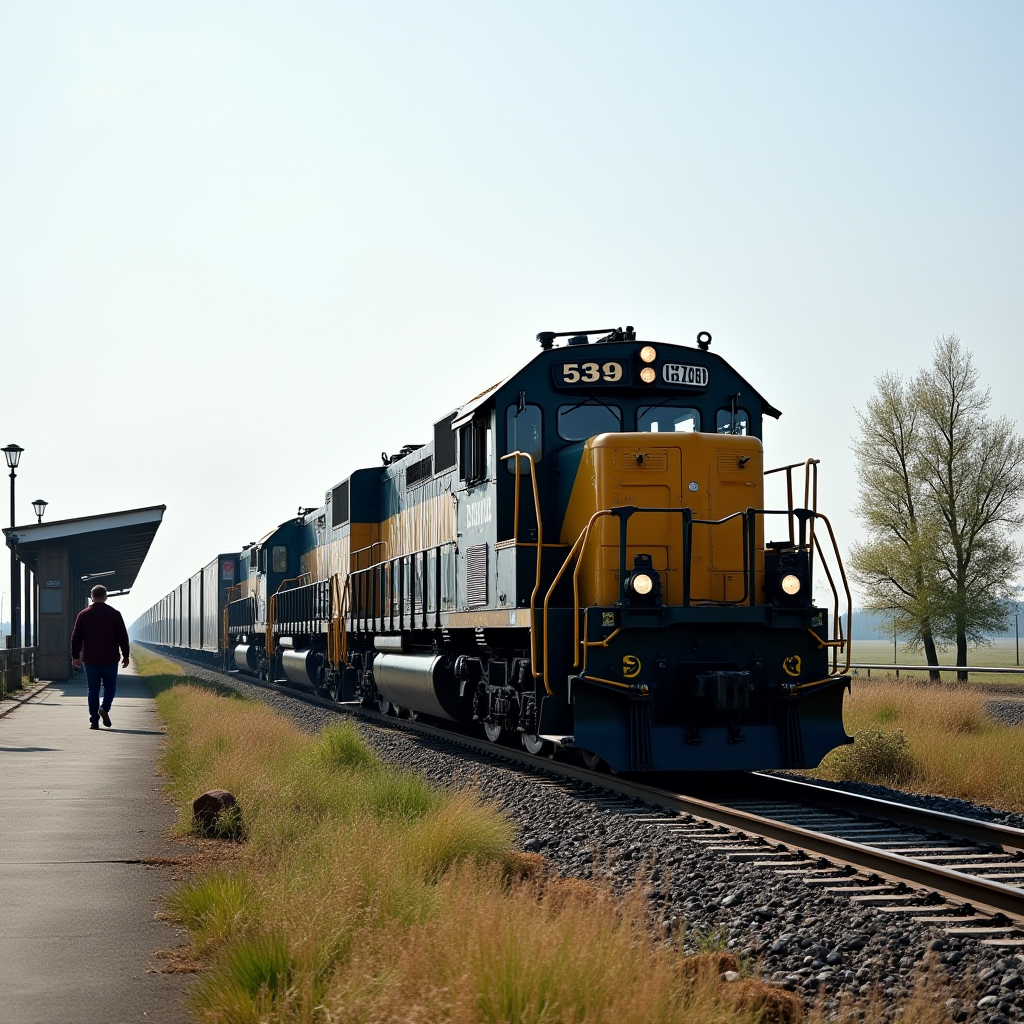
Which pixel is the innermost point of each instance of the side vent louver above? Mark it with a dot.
(476, 575)
(444, 445)
(417, 473)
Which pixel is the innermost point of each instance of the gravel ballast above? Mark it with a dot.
(819, 943)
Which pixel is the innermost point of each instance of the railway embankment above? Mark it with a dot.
(356, 889)
(833, 952)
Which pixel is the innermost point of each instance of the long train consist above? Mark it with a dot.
(577, 558)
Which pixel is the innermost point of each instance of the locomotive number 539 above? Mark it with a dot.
(591, 373)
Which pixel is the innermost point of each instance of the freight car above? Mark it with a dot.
(577, 559)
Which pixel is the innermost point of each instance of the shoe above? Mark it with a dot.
(94, 725)
(105, 717)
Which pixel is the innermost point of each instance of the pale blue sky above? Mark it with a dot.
(244, 247)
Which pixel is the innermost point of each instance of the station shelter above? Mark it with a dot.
(64, 560)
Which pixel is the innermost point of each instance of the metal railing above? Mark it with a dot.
(925, 669)
(17, 666)
(303, 609)
(806, 540)
(395, 594)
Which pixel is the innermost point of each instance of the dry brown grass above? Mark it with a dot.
(953, 748)
(363, 896)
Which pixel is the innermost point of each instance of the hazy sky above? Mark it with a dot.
(244, 247)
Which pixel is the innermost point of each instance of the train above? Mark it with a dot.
(575, 561)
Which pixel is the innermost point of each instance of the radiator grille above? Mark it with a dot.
(476, 575)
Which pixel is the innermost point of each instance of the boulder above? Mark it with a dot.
(207, 807)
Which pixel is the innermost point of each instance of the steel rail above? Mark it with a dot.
(979, 892)
(987, 832)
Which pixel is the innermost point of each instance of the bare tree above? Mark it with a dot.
(893, 566)
(973, 470)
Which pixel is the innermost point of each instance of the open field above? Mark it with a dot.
(929, 739)
(356, 893)
(1001, 654)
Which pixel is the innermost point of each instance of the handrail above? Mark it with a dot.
(580, 544)
(810, 490)
(359, 575)
(540, 552)
(624, 513)
(337, 634)
(369, 547)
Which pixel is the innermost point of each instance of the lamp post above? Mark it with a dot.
(12, 453)
(39, 507)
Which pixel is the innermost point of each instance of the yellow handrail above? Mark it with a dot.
(581, 541)
(272, 612)
(337, 633)
(540, 552)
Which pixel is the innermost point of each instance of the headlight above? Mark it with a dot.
(642, 584)
(791, 584)
(648, 354)
(648, 375)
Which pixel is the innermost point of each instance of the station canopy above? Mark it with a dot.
(107, 549)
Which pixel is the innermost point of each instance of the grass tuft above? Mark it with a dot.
(877, 755)
(929, 738)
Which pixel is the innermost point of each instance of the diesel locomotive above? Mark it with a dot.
(577, 559)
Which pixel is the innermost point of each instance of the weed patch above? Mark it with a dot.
(929, 738)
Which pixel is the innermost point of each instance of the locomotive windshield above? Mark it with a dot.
(659, 419)
(585, 419)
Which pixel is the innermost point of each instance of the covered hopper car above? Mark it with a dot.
(581, 558)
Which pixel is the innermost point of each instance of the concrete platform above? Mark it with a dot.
(77, 807)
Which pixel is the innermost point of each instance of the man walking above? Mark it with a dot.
(97, 639)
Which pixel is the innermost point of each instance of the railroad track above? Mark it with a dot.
(963, 875)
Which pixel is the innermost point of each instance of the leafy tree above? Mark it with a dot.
(941, 485)
(893, 566)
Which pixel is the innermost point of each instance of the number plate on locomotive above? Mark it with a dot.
(591, 373)
(679, 373)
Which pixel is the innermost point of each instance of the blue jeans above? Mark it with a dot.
(107, 675)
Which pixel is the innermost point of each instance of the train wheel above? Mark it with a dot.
(590, 759)
(413, 716)
(383, 706)
(535, 745)
(492, 730)
(334, 689)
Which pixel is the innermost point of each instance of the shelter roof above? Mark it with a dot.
(108, 548)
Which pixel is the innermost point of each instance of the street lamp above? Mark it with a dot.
(39, 507)
(12, 453)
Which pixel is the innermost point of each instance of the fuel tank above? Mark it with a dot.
(423, 682)
(300, 667)
(245, 657)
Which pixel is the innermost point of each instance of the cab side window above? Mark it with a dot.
(475, 451)
(524, 432)
(279, 558)
(729, 422)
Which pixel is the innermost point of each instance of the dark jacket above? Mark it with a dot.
(98, 635)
